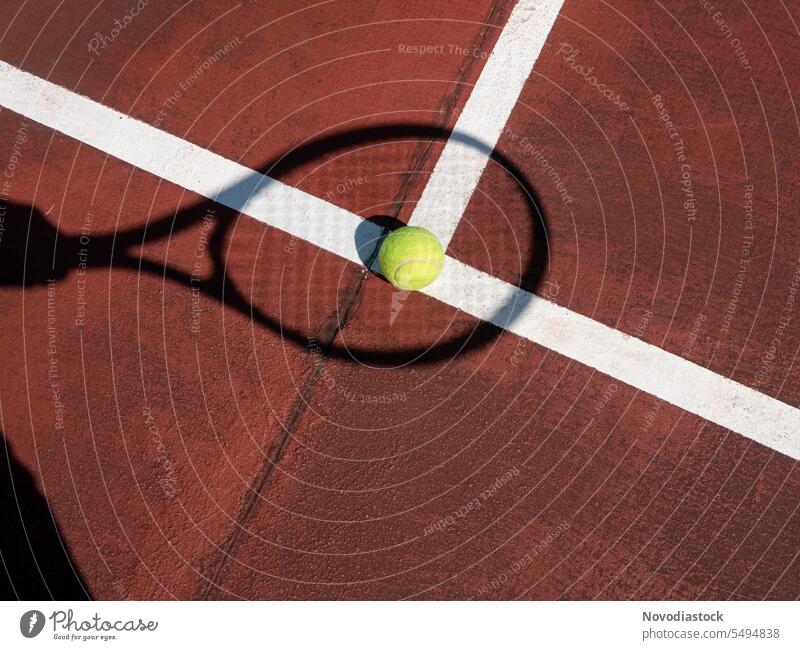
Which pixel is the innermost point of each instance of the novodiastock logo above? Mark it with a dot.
(31, 623)
(67, 627)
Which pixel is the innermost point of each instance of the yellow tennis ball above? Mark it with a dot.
(411, 258)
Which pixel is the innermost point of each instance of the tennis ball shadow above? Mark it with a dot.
(369, 236)
(37, 251)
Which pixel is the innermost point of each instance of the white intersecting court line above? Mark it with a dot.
(632, 361)
(484, 117)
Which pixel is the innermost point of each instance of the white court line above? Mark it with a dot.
(183, 163)
(680, 382)
(483, 118)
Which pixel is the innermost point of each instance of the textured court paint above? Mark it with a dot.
(632, 361)
(491, 101)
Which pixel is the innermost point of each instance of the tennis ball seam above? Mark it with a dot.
(414, 259)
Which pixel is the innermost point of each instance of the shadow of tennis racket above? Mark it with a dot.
(34, 251)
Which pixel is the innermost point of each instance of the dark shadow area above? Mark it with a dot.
(34, 561)
(33, 251)
(370, 234)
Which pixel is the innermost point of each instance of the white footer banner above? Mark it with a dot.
(390, 625)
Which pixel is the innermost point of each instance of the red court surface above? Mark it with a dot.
(198, 405)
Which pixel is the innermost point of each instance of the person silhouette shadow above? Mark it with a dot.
(32, 251)
(36, 563)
